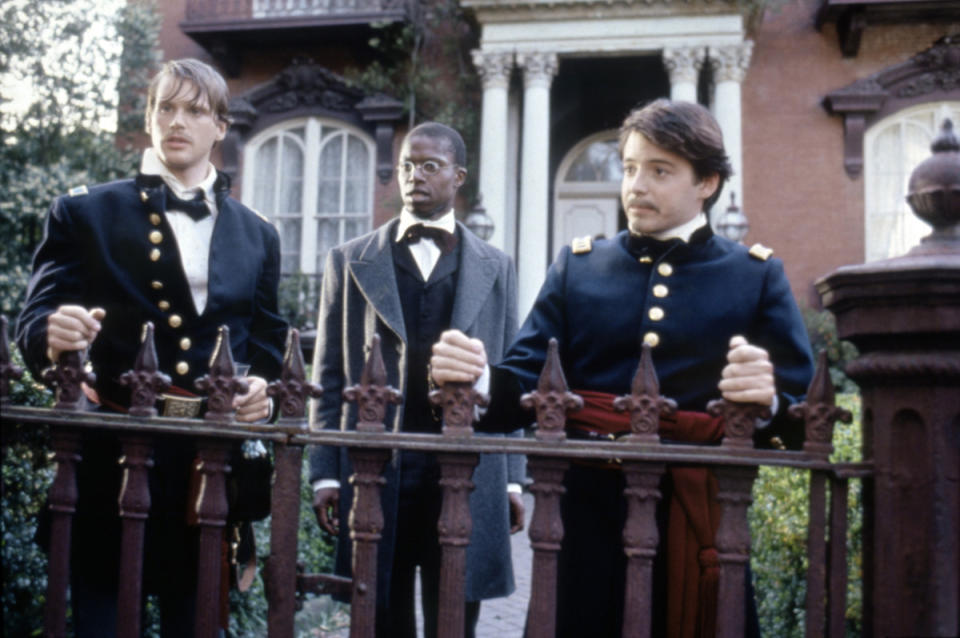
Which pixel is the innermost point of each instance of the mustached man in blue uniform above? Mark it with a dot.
(171, 247)
(721, 321)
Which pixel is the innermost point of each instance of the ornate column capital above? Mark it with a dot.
(730, 63)
(494, 67)
(683, 64)
(538, 68)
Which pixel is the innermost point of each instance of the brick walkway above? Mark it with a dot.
(505, 617)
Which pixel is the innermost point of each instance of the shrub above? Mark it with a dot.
(778, 526)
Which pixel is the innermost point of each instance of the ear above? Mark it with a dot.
(461, 176)
(708, 186)
(221, 129)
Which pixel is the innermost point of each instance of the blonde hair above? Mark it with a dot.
(207, 83)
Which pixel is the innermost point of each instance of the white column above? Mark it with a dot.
(730, 64)
(494, 68)
(683, 65)
(532, 257)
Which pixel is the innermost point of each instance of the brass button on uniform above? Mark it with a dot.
(651, 339)
(155, 254)
(155, 219)
(185, 343)
(182, 367)
(655, 313)
(660, 291)
(645, 259)
(156, 285)
(665, 269)
(175, 321)
(163, 304)
(143, 196)
(155, 237)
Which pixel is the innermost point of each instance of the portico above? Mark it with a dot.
(527, 47)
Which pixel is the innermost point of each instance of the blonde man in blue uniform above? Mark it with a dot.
(721, 321)
(170, 247)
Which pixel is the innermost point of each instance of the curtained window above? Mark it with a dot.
(314, 179)
(893, 147)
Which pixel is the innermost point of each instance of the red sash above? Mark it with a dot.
(693, 569)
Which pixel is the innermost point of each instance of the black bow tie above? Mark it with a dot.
(197, 208)
(643, 246)
(445, 241)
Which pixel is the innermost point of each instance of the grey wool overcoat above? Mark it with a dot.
(360, 298)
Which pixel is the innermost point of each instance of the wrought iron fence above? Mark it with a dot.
(643, 458)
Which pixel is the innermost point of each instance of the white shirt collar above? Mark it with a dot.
(152, 165)
(407, 219)
(683, 231)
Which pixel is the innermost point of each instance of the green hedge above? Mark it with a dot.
(778, 526)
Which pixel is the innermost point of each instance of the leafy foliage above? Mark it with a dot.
(56, 51)
(27, 474)
(778, 526)
(424, 61)
(248, 610)
(822, 331)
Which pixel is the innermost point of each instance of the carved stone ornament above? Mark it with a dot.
(730, 63)
(683, 64)
(551, 400)
(292, 390)
(538, 68)
(372, 394)
(933, 74)
(494, 67)
(307, 88)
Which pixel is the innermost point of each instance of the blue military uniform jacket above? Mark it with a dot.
(686, 299)
(111, 246)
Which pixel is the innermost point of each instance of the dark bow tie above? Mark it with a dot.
(643, 246)
(197, 208)
(445, 241)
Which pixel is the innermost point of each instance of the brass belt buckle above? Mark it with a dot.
(183, 407)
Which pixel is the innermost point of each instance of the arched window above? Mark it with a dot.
(893, 147)
(314, 179)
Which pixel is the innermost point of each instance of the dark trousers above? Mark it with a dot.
(416, 546)
(94, 605)
(591, 567)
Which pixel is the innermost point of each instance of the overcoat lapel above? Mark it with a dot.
(478, 272)
(376, 278)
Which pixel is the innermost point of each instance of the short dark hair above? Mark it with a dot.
(207, 81)
(439, 131)
(687, 129)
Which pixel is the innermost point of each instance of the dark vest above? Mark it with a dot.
(427, 308)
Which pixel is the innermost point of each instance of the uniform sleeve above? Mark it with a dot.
(268, 332)
(520, 369)
(58, 278)
(780, 330)
(328, 366)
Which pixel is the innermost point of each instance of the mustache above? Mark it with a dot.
(642, 203)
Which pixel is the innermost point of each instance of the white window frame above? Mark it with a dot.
(314, 128)
(909, 225)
